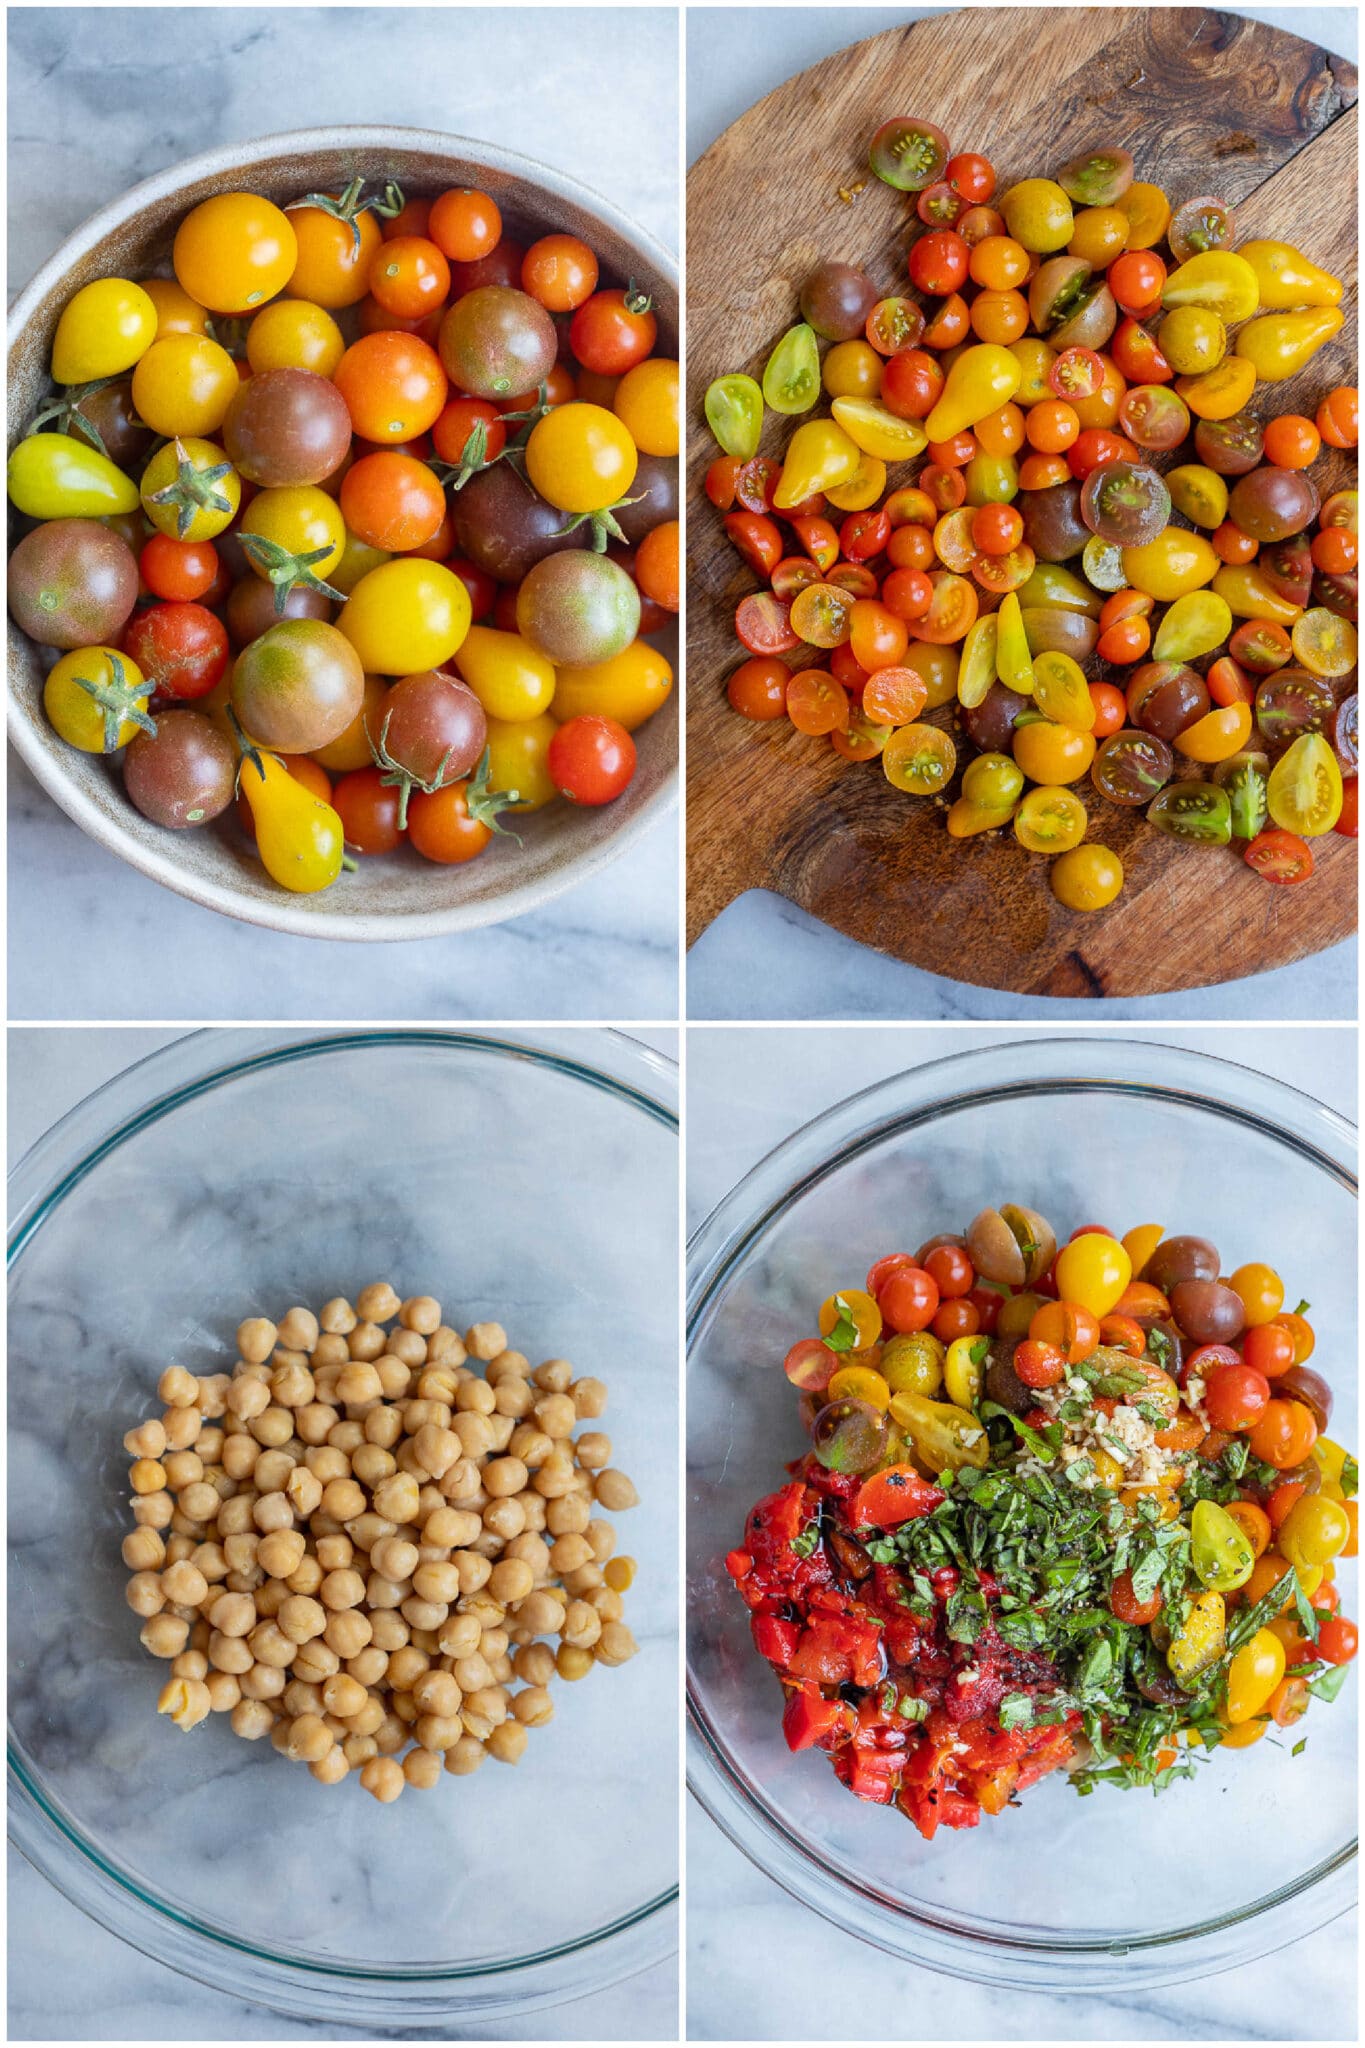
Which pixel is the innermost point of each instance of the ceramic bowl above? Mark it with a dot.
(403, 897)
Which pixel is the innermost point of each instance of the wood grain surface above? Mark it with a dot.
(1206, 102)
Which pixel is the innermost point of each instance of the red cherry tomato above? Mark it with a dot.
(1280, 856)
(1235, 1397)
(908, 1299)
(591, 759)
(938, 262)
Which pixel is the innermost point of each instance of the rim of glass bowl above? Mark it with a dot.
(979, 1951)
(642, 1079)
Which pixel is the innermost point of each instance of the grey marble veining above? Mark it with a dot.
(254, 1201)
(763, 957)
(99, 98)
(747, 1091)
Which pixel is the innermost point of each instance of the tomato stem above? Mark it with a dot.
(192, 490)
(286, 571)
(118, 699)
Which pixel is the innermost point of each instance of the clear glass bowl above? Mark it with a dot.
(1063, 1893)
(531, 1179)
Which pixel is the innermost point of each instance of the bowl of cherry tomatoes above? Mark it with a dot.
(310, 704)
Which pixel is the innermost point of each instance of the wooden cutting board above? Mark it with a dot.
(1206, 102)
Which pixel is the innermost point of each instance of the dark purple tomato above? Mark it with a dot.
(990, 724)
(1339, 593)
(578, 608)
(1053, 526)
(909, 154)
(72, 583)
(1271, 504)
(1292, 702)
(1091, 321)
(1050, 630)
(1181, 1258)
(287, 427)
(1154, 416)
(183, 774)
(1130, 767)
(251, 608)
(298, 686)
(1164, 697)
(654, 496)
(1125, 503)
(109, 409)
(1346, 733)
(1231, 447)
(1199, 225)
(1288, 568)
(1208, 1311)
(1098, 178)
(836, 300)
(1301, 1384)
(1060, 287)
(505, 527)
(434, 731)
(496, 342)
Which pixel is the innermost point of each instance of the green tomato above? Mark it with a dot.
(1243, 777)
(791, 381)
(53, 476)
(1193, 810)
(734, 413)
(1220, 1554)
(96, 699)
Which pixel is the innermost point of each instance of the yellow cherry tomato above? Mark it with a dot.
(1140, 1244)
(1013, 661)
(819, 455)
(1285, 278)
(1087, 878)
(860, 1383)
(913, 1362)
(234, 251)
(1244, 1734)
(1260, 1291)
(1053, 754)
(509, 677)
(937, 668)
(1192, 626)
(980, 380)
(1101, 409)
(1093, 1271)
(103, 331)
(184, 384)
(1148, 213)
(1099, 234)
(1325, 643)
(176, 311)
(879, 432)
(1193, 340)
(1035, 359)
(1172, 564)
(54, 476)
(95, 698)
(299, 837)
(1315, 1530)
(292, 521)
(357, 560)
(581, 458)
(646, 402)
(1200, 1639)
(629, 688)
(1061, 691)
(865, 487)
(1217, 735)
(1305, 793)
(964, 1370)
(291, 334)
(1219, 393)
(1050, 820)
(1107, 1468)
(1038, 214)
(1278, 345)
(965, 818)
(1218, 279)
(518, 758)
(854, 1314)
(852, 369)
(1200, 494)
(190, 490)
(406, 616)
(919, 759)
(1255, 1671)
(1247, 595)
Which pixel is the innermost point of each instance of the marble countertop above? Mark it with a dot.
(760, 1965)
(100, 98)
(765, 958)
(68, 1978)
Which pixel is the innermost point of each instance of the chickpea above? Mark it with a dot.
(593, 1450)
(233, 1614)
(143, 1550)
(395, 1377)
(153, 1510)
(620, 1574)
(366, 1341)
(302, 1618)
(292, 1386)
(606, 1603)
(530, 1443)
(567, 1517)
(568, 1553)
(340, 1589)
(147, 1476)
(507, 1742)
(582, 1625)
(358, 1382)
(270, 1645)
(571, 1662)
(513, 1398)
(298, 1330)
(505, 1518)
(436, 1450)
(147, 1441)
(589, 1398)
(383, 1778)
(460, 1635)
(331, 1768)
(256, 1339)
(224, 1691)
(446, 1347)
(378, 1303)
(533, 1706)
(422, 1314)
(408, 1347)
(602, 1537)
(542, 1612)
(616, 1644)
(555, 1478)
(398, 1498)
(251, 1719)
(184, 1585)
(511, 1581)
(164, 1635)
(466, 1756)
(145, 1594)
(395, 1558)
(556, 1415)
(613, 1491)
(504, 1476)
(475, 1571)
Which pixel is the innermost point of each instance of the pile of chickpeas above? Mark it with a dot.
(357, 1541)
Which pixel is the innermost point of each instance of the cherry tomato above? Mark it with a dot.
(393, 385)
(1338, 417)
(181, 649)
(613, 331)
(1280, 856)
(592, 759)
(1338, 1640)
(368, 810)
(908, 1299)
(971, 175)
(951, 1270)
(758, 688)
(1284, 1435)
(560, 271)
(1235, 1397)
(409, 277)
(465, 225)
(178, 569)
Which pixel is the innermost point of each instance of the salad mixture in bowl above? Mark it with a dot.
(1065, 1507)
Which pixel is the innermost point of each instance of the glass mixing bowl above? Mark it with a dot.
(528, 1179)
(1063, 1893)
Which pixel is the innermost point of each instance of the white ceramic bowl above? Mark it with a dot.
(402, 897)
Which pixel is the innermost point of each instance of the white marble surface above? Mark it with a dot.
(101, 97)
(760, 1965)
(68, 1979)
(763, 957)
